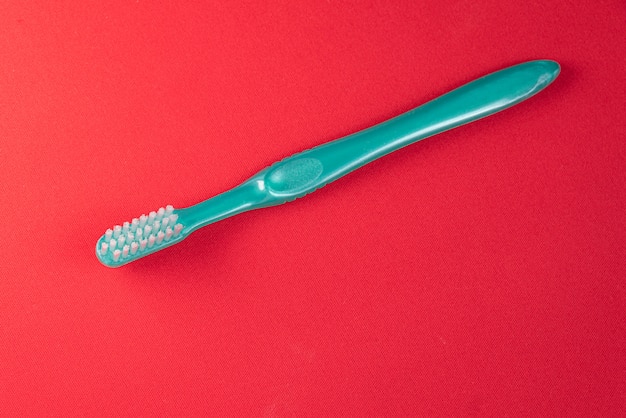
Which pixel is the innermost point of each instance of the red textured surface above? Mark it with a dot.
(478, 273)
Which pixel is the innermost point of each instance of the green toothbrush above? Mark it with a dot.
(307, 171)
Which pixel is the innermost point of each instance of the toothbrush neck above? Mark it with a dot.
(246, 196)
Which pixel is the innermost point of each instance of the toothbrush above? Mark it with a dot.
(307, 171)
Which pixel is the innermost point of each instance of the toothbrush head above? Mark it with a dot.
(142, 236)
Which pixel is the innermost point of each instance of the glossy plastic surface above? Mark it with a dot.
(309, 170)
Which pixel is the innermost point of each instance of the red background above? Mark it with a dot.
(478, 273)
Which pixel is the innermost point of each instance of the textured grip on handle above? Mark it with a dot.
(293, 175)
(309, 170)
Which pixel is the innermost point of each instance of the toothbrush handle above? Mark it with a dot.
(309, 170)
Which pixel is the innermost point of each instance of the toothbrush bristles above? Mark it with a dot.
(140, 236)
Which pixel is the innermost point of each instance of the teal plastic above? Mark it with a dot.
(307, 171)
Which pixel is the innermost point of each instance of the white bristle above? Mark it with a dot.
(140, 234)
(134, 224)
